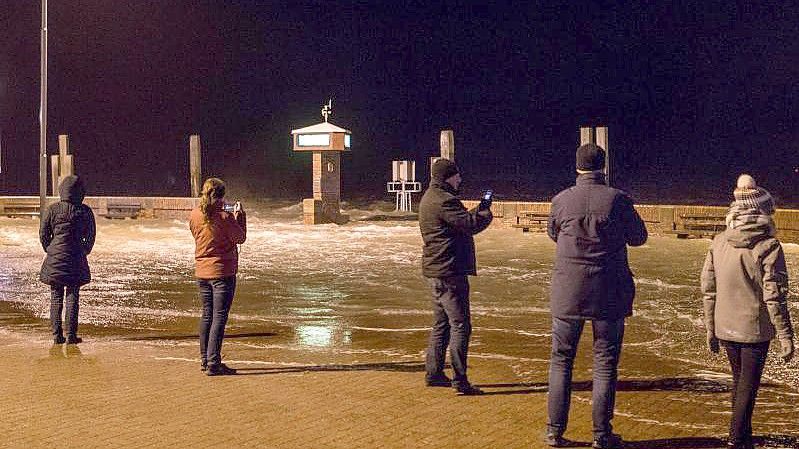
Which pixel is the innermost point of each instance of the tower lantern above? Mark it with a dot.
(326, 141)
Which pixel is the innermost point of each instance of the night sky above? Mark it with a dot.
(693, 93)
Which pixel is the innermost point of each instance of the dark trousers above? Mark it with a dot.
(452, 326)
(608, 337)
(57, 306)
(747, 361)
(216, 296)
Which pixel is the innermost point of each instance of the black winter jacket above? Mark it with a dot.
(67, 232)
(447, 229)
(592, 225)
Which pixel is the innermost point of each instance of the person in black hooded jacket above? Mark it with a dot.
(448, 258)
(66, 232)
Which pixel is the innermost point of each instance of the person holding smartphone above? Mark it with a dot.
(216, 233)
(448, 259)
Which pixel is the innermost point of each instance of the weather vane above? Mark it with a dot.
(327, 109)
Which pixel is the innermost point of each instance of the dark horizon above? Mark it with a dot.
(693, 95)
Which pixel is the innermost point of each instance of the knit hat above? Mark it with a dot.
(590, 157)
(748, 194)
(443, 169)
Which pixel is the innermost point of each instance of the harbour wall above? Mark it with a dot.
(111, 207)
(677, 220)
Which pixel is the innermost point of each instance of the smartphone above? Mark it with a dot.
(487, 196)
(232, 207)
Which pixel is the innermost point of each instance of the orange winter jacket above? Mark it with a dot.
(215, 250)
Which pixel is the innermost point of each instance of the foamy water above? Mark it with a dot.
(355, 292)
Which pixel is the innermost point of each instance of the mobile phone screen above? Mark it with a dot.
(487, 196)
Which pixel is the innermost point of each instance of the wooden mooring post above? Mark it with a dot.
(447, 142)
(62, 164)
(195, 165)
(598, 136)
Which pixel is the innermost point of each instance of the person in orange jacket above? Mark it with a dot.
(216, 232)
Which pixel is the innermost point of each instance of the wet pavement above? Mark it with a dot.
(344, 302)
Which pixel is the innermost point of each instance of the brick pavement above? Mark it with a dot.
(126, 394)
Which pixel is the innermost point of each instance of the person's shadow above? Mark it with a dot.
(194, 336)
(770, 441)
(690, 384)
(404, 367)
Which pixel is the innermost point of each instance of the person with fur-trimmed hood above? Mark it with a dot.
(67, 232)
(745, 287)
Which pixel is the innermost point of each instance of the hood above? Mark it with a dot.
(746, 235)
(72, 189)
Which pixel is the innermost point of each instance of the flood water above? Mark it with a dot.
(354, 293)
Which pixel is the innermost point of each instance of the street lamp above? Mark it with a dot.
(43, 116)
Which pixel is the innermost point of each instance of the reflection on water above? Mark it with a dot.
(355, 293)
(321, 336)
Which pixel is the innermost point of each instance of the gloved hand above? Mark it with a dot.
(712, 342)
(786, 352)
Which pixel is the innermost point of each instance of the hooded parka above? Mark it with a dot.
(66, 232)
(745, 286)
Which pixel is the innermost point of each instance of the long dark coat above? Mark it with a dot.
(447, 229)
(592, 225)
(67, 232)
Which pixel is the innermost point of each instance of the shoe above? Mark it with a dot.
(556, 440)
(220, 370)
(468, 389)
(204, 366)
(73, 340)
(609, 441)
(440, 380)
(59, 340)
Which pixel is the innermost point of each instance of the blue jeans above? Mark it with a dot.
(608, 336)
(216, 296)
(452, 326)
(57, 306)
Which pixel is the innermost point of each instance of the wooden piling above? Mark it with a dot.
(195, 164)
(448, 144)
(587, 135)
(602, 141)
(55, 173)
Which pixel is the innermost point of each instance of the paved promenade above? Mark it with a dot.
(128, 394)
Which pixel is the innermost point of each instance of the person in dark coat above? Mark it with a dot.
(592, 225)
(66, 232)
(448, 258)
(745, 290)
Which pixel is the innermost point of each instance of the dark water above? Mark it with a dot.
(354, 293)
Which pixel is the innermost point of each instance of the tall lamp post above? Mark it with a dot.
(43, 116)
